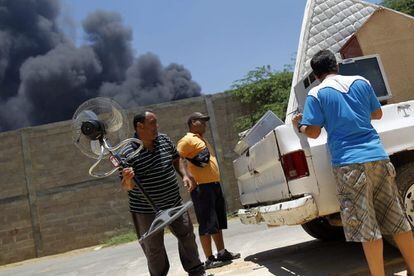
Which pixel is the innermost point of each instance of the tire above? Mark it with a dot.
(405, 185)
(321, 229)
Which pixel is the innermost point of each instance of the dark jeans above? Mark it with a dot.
(154, 249)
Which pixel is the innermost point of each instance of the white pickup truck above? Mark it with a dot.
(286, 178)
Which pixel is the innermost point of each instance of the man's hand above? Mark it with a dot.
(296, 119)
(312, 131)
(127, 176)
(180, 165)
(189, 183)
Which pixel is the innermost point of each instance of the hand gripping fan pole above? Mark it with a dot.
(95, 123)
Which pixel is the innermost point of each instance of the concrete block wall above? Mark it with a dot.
(16, 236)
(227, 110)
(49, 204)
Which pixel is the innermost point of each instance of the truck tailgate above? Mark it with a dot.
(260, 174)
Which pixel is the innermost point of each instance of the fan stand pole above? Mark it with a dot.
(123, 164)
(144, 193)
(163, 218)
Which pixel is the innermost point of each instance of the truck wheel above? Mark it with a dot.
(321, 229)
(405, 184)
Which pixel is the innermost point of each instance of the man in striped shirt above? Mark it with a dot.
(155, 167)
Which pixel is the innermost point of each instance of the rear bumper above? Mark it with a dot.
(293, 212)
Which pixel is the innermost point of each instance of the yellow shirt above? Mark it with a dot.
(188, 147)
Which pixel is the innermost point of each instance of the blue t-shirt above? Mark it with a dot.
(343, 106)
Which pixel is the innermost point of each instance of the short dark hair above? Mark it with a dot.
(323, 62)
(140, 117)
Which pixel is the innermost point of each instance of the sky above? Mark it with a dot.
(218, 41)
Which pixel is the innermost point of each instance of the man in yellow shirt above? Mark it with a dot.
(208, 199)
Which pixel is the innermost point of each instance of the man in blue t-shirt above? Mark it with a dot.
(368, 196)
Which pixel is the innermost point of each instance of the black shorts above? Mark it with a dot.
(210, 208)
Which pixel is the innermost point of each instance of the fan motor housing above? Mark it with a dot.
(93, 129)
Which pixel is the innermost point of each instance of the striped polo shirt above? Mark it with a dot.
(156, 173)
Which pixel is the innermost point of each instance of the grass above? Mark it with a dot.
(125, 238)
(120, 239)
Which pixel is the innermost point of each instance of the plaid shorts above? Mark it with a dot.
(369, 200)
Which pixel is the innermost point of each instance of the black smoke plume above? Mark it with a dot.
(27, 29)
(148, 82)
(111, 42)
(44, 77)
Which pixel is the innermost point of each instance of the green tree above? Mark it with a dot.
(405, 6)
(263, 89)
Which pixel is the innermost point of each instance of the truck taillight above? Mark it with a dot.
(295, 165)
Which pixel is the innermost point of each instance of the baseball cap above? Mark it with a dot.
(198, 116)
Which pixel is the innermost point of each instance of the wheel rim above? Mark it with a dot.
(409, 204)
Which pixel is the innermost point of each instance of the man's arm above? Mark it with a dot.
(376, 114)
(180, 165)
(374, 104)
(310, 131)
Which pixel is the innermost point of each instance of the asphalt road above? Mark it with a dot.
(265, 251)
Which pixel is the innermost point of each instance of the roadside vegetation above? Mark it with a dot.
(263, 89)
(405, 6)
(121, 238)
